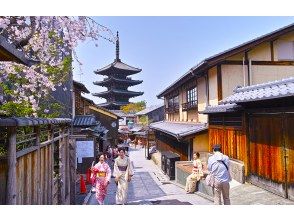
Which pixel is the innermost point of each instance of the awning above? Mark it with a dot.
(178, 129)
(265, 91)
(136, 129)
(141, 133)
(84, 121)
(221, 109)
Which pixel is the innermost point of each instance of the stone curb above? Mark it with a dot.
(86, 200)
(196, 193)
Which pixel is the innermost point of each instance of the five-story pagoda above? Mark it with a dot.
(117, 83)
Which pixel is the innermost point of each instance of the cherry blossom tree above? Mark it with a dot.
(49, 43)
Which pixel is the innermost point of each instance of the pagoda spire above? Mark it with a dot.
(117, 82)
(117, 47)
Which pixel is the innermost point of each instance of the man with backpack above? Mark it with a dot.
(218, 166)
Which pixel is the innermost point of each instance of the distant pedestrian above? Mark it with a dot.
(218, 166)
(115, 152)
(123, 172)
(110, 155)
(101, 176)
(196, 174)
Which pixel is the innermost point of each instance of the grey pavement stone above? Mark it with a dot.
(150, 186)
(145, 187)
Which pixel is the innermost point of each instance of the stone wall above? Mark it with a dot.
(237, 170)
(183, 170)
(156, 158)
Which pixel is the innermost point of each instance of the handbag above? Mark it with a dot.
(210, 180)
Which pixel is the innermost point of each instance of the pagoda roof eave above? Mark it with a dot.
(118, 66)
(113, 79)
(118, 92)
(112, 103)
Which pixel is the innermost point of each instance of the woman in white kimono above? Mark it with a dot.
(197, 174)
(123, 172)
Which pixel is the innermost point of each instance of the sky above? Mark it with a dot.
(165, 48)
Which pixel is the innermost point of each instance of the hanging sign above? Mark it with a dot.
(84, 149)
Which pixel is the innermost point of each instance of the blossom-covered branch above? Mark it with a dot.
(50, 42)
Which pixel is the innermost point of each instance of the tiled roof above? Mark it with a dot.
(25, 121)
(84, 120)
(81, 86)
(178, 129)
(271, 90)
(89, 100)
(221, 108)
(149, 109)
(12, 50)
(122, 114)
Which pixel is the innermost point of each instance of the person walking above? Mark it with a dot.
(101, 177)
(196, 174)
(218, 166)
(123, 172)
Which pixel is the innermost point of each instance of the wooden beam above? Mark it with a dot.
(103, 112)
(11, 165)
(272, 51)
(26, 151)
(219, 83)
(274, 63)
(261, 63)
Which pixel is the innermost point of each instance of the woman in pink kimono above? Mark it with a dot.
(101, 175)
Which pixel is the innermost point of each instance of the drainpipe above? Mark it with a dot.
(250, 72)
(244, 73)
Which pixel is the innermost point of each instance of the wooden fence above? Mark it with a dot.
(37, 161)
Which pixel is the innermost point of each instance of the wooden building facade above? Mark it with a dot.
(267, 147)
(152, 113)
(110, 121)
(81, 103)
(263, 59)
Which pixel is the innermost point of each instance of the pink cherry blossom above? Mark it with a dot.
(48, 40)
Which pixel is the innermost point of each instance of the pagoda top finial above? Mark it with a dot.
(117, 47)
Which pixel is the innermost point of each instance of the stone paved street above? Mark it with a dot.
(150, 186)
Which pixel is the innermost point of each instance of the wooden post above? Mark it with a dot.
(272, 51)
(219, 83)
(62, 164)
(51, 164)
(39, 195)
(72, 169)
(11, 160)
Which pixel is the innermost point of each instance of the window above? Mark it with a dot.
(191, 99)
(170, 102)
(176, 100)
(285, 50)
(191, 95)
(173, 104)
